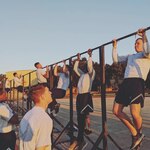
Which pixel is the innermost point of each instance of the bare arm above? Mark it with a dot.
(115, 56)
(64, 66)
(90, 65)
(76, 66)
(146, 47)
(56, 70)
(46, 75)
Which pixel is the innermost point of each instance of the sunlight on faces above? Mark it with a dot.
(39, 93)
(47, 95)
(38, 65)
(139, 45)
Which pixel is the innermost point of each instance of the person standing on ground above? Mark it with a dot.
(84, 103)
(36, 126)
(7, 121)
(131, 91)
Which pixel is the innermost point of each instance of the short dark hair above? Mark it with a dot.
(68, 67)
(35, 92)
(14, 73)
(83, 65)
(138, 39)
(36, 64)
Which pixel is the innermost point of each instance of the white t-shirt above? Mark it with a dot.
(138, 65)
(40, 77)
(63, 81)
(86, 79)
(5, 115)
(18, 81)
(7, 84)
(35, 129)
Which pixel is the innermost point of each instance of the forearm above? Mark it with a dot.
(55, 70)
(114, 55)
(90, 65)
(146, 46)
(76, 69)
(64, 67)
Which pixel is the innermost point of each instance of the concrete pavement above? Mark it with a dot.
(115, 127)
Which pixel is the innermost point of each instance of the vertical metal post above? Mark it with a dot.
(13, 90)
(23, 96)
(71, 100)
(51, 77)
(103, 95)
(29, 102)
(10, 89)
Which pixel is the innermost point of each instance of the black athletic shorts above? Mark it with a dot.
(19, 88)
(131, 91)
(7, 140)
(58, 93)
(84, 103)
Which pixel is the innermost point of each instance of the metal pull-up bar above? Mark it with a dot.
(121, 38)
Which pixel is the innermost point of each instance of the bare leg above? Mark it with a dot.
(135, 110)
(88, 121)
(118, 111)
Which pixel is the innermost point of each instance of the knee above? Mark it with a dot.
(116, 112)
(135, 115)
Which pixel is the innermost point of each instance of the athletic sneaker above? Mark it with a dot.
(136, 140)
(87, 131)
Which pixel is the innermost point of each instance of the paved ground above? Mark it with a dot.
(115, 128)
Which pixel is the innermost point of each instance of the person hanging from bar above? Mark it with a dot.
(84, 103)
(42, 77)
(41, 74)
(7, 85)
(18, 80)
(7, 121)
(131, 91)
(62, 86)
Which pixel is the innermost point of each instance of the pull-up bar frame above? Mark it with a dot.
(104, 133)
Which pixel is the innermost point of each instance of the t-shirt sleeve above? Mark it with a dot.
(5, 112)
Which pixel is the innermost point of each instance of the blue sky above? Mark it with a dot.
(52, 30)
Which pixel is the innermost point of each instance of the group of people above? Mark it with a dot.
(35, 127)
